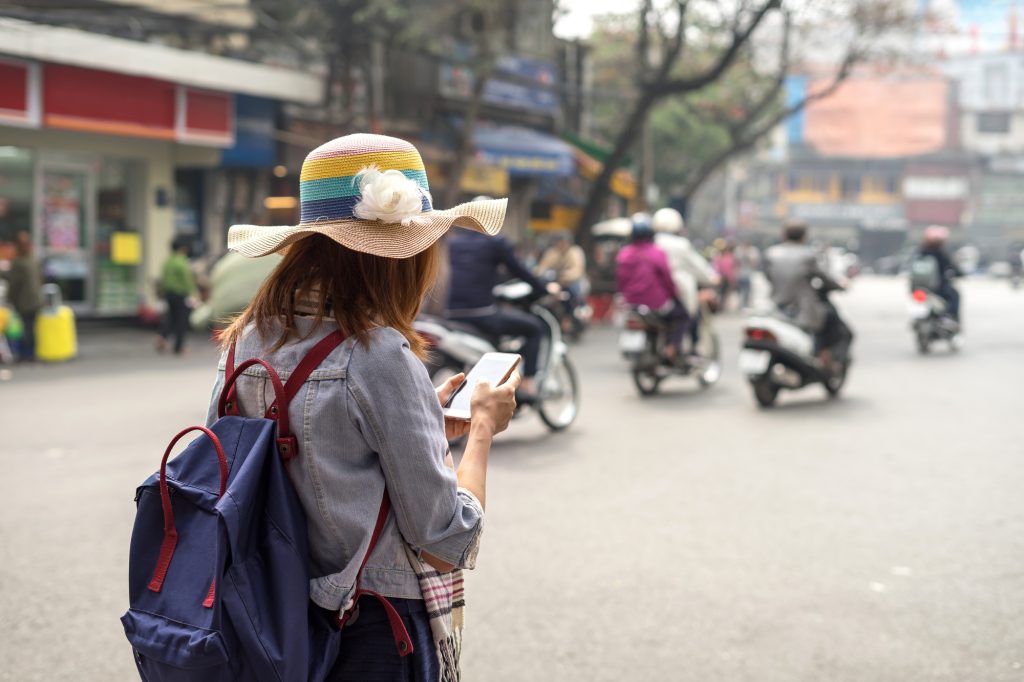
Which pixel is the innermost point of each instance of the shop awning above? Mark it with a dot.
(524, 151)
(590, 157)
(623, 183)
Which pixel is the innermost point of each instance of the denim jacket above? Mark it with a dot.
(366, 418)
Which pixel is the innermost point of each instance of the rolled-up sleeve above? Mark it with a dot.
(398, 412)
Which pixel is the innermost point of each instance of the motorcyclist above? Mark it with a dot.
(943, 269)
(645, 279)
(800, 289)
(476, 262)
(569, 265)
(690, 271)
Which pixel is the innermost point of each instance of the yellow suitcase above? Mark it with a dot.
(56, 339)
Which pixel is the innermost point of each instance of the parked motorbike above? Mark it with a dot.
(778, 354)
(457, 346)
(643, 341)
(931, 322)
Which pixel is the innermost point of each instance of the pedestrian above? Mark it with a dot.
(748, 262)
(178, 288)
(726, 267)
(25, 283)
(361, 261)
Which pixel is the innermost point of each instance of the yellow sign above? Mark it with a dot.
(561, 218)
(125, 248)
(480, 178)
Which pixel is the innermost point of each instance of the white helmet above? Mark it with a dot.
(668, 220)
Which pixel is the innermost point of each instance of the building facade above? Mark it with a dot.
(97, 133)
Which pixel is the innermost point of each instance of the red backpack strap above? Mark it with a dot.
(316, 355)
(287, 443)
(229, 368)
(403, 642)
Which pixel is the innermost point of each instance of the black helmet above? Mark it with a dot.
(643, 227)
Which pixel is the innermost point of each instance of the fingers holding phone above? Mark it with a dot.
(494, 406)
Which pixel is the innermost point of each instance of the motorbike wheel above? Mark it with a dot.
(923, 343)
(710, 375)
(647, 380)
(559, 401)
(835, 383)
(765, 392)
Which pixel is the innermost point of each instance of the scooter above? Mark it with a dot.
(457, 346)
(931, 322)
(573, 312)
(643, 341)
(778, 354)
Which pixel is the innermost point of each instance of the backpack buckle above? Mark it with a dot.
(288, 447)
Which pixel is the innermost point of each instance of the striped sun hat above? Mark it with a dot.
(369, 193)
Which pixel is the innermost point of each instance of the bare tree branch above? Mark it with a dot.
(673, 48)
(754, 130)
(643, 43)
(724, 61)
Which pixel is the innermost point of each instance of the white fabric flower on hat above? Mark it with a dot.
(388, 196)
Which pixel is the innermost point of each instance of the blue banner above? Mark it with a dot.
(796, 90)
(255, 146)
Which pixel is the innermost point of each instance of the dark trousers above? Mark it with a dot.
(27, 345)
(513, 323)
(678, 321)
(368, 652)
(952, 298)
(175, 321)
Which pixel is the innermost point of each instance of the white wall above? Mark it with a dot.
(158, 160)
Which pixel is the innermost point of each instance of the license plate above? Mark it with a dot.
(919, 311)
(753, 362)
(632, 341)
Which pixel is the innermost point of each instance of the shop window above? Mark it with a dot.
(994, 123)
(118, 244)
(849, 186)
(15, 196)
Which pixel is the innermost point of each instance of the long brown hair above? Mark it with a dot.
(357, 290)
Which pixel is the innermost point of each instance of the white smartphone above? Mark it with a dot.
(496, 368)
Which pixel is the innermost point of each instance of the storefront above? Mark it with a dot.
(93, 130)
(93, 184)
(537, 164)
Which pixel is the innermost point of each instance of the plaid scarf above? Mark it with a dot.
(445, 601)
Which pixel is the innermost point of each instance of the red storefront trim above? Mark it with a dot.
(19, 93)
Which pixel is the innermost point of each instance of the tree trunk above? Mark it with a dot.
(597, 197)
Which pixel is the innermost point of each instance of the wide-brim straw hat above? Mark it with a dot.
(369, 193)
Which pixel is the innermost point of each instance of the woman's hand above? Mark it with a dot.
(453, 428)
(492, 407)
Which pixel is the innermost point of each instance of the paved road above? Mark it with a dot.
(689, 537)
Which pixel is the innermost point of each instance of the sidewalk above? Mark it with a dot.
(112, 347)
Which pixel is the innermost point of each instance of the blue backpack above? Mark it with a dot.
(218, 568)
